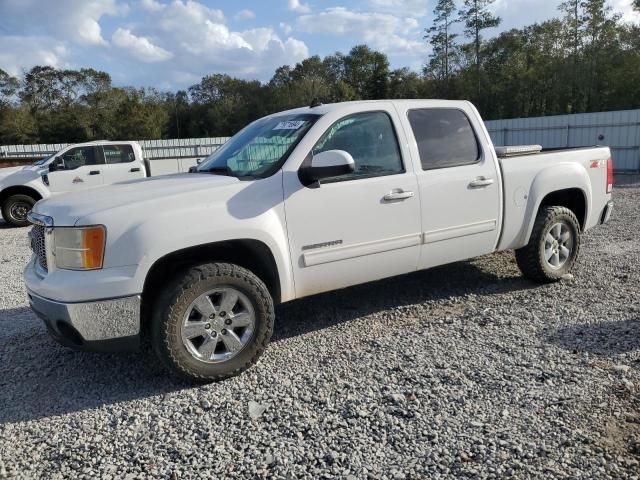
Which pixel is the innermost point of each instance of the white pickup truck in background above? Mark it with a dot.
(76, 167)
(297, 203)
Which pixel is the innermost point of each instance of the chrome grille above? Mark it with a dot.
(38, 245)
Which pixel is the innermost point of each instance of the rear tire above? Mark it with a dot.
(553, 247)
(15, 209)
(213, 322)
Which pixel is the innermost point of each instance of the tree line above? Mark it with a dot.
(585, 60)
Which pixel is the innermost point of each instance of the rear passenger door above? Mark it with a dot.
(459, 184)
(120, 163)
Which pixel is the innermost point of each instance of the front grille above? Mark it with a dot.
(38, 245)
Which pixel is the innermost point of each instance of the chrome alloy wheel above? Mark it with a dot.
(558, 245)
(218, 325)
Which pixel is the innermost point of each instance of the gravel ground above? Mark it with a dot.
(463, 371)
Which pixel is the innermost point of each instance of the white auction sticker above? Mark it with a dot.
(290, 125)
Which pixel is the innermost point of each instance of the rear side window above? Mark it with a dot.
(118, 153)
(445, 138)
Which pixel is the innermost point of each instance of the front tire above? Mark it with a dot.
(213, 322)
(553, 246)
(15, 210)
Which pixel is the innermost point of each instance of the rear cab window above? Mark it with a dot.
(118, 154)
(445, 137)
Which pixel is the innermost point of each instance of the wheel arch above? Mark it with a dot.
(251, 254)
(19, 190)
(564, 185)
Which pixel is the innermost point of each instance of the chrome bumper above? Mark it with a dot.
(104, 325)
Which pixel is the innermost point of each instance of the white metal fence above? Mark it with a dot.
(618, 130)
(165, 156)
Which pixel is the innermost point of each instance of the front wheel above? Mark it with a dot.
(213, 322)
(15, 209)
(553, 247)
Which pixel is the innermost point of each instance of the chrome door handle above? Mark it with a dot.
(397, 195)
(480, 182)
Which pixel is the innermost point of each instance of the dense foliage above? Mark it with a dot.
(588, 59)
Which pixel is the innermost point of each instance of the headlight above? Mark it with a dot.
(80, 248)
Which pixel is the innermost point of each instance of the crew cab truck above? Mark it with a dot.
(297, 203)
(75, 167)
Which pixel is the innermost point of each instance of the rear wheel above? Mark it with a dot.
(553, 247)
(15, 209)
(213, 322)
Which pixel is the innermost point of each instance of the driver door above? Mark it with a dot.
(361, 226)
(81, 168)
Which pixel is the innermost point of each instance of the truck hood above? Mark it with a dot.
(18, 175)
(153, 193)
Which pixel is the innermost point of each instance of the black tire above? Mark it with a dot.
(172, 306)
(531, 259)
(15, 209)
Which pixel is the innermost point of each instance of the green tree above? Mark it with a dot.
(476, 17)
(442, 40)
(367, 71)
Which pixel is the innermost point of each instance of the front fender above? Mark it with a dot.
(552, 179)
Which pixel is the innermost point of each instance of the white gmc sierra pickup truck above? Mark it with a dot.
(297, 203)
(75, 167)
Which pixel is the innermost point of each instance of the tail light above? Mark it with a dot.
(609, 175)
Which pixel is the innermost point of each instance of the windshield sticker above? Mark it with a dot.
(290, 125)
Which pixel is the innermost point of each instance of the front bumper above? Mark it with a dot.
(103, 325)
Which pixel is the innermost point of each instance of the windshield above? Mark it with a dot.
(259, 149)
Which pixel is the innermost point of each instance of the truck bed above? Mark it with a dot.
(528, 176)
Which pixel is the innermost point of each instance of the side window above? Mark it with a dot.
(370, 139)
(79, 157)
(118, 153)
(445, 138)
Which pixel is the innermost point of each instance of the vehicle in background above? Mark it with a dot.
(298, 203)
(74, 168)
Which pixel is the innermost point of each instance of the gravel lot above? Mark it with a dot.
(463, 371)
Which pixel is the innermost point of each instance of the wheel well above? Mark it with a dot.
(19, 190)
(571, 198)
(250, 254)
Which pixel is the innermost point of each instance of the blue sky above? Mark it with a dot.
(172, 43)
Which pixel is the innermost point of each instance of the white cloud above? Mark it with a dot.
(245, 14)
(286, 28)
(201, 42)
(297, 6)
(389, 33)
(152, 5)
(414, 8)
(625, 8)
(18, 52)
(74, 20)
(140, 47)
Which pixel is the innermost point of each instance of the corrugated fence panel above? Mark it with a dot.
(618, 130)
(164, 155)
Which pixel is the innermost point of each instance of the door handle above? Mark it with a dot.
(480, 182)
(397, 195)
(94, 172)
(134, 170)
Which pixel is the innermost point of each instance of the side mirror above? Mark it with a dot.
(199, 161)
(331, 163)
(57, 164)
